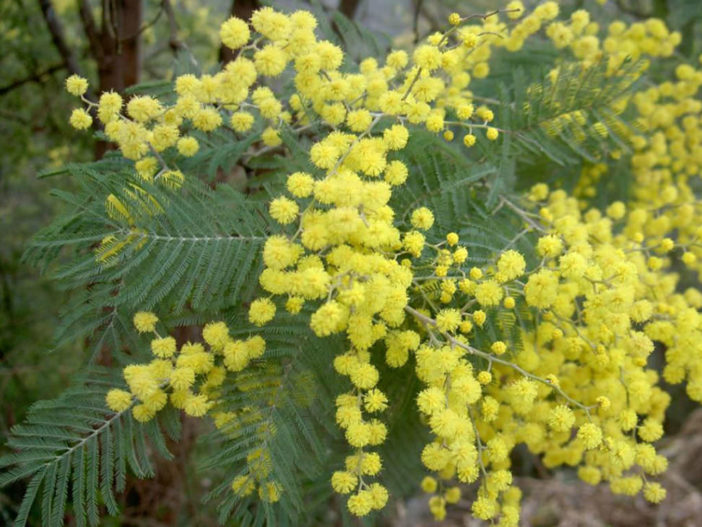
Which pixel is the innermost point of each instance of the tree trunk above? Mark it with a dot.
(348, 8)
(119, 62)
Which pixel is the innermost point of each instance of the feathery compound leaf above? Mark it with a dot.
(75, 446)
(440, 178)
(271, 427)
(454, 188)
(201, 247)
(219, 151)
(133, 245)
(574, 114)
(358, 41)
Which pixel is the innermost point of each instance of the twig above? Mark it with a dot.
(428, 321)
(631, 11)
(164, 165)
(37, 77)
(88, 22)
(415, 19)
(521, 214)
(59, 40)
(481, 447)
(173, 40)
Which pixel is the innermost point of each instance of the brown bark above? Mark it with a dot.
(241, 9)
(121, 25)
(348, 8)
(116, 47)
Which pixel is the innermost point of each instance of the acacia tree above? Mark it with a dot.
(382, 308)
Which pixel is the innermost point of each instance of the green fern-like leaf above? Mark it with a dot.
(283, 406)
(568, 117)
(75, 446)
(441, 178)
(148, 247)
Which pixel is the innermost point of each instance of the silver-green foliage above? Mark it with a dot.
(193, 255)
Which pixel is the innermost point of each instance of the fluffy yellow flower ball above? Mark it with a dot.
(216, 334)
(429, 484)
(448, 319)
(145, 321)
(654, 492)
(270, 61)
(422, 218)
(515, 9)
(361, 504)
(590, 435)
(234, 33)
(510, 265)
(469, 140)
(498, 348)
(541, 289)
(187, 146)
(561, 418)
(454, 19)
(261, 311)
(242, 121)
(300, 184)
(343, 482)
(164, 347)
(76, 85)
(283, 210)
(80, 119)
(118, 400)
(488, 293)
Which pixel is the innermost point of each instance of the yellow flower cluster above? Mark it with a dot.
(187, 377)
(190, 378)
(586, 398)
(579, 390)
(420, 89)
(575, 387)
(342, 250)
(647, 38)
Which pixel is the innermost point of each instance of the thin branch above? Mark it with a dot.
(173, 40)
(631, 11)
(59, 40)
(91, 32)
(348, 8)
(161, 9)
(37, 77)
(434, 24)
(428, 321)
(148, 235)
(109, 13)
(57, 36)
(415, 19)
(521, 214)
(481, 447)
